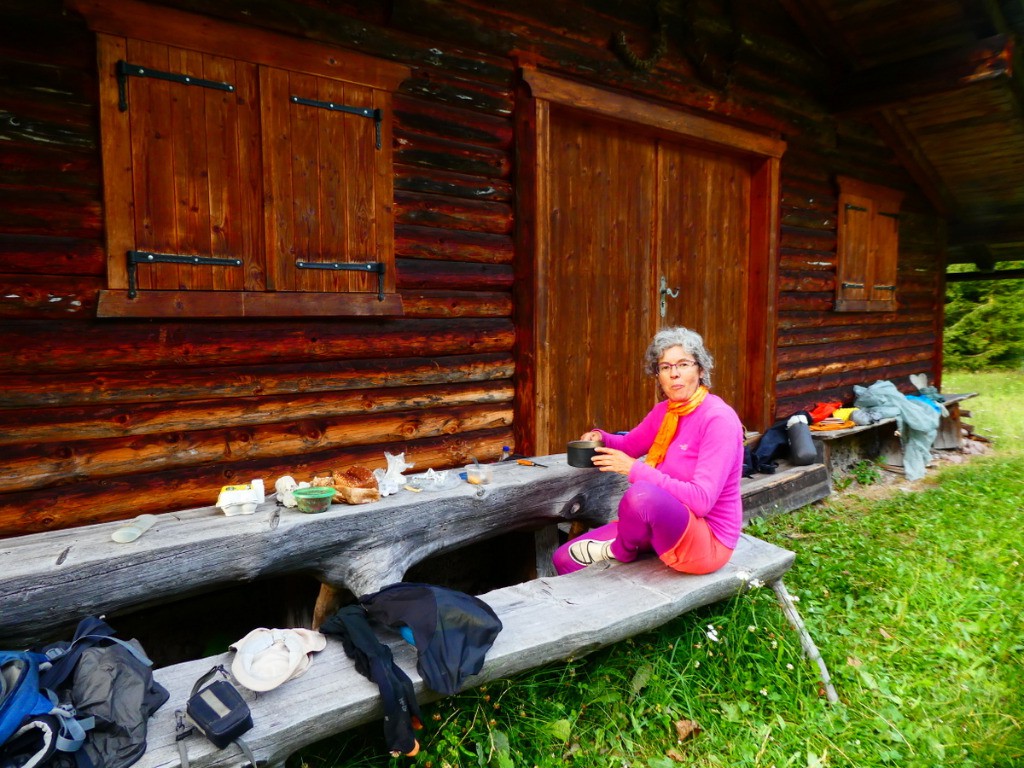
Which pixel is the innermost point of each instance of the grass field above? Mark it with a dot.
(914, 596)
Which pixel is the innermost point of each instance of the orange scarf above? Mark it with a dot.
(667, 430)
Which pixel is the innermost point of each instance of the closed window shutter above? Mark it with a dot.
(867, 247)
(328, 204)
(192, 175)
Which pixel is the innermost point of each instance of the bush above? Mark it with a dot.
(984, 323)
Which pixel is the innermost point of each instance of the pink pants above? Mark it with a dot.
(653, 520)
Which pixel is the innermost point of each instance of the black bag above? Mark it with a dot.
(219, 712)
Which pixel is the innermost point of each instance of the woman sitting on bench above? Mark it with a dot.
(684, 501)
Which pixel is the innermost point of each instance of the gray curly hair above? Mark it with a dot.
(692, 344)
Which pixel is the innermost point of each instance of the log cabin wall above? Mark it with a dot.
(105, 419)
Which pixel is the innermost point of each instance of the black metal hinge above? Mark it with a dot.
(373, 114)
(350, 266)
(125, 70)
(148, 257)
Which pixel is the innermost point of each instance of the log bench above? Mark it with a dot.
(545, 620)
(841, 449)
(48, 581)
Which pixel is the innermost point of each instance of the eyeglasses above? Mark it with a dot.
(682, 365)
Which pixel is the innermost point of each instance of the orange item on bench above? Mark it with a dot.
(823, 410)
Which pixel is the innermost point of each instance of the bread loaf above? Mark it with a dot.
(356, 485)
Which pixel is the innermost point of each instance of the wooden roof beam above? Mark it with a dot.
(895, 84)
(966, 235)
(998, 274)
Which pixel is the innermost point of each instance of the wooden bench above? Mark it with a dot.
(841, 449)
(362, 549)
(545, 620)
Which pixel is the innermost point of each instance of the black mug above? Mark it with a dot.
(580, 453)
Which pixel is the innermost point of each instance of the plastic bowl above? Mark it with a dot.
(315, 499)
(479, 474)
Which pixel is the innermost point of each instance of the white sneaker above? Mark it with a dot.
(587, 551)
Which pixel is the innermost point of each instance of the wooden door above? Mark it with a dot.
(620, 194)
(597, 295)
(704, 249)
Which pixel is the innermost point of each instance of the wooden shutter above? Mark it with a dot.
(194, 177)
(867, 250)
(328, 202)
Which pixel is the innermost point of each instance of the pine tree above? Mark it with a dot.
(984, 323)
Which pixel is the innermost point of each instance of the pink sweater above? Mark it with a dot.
(702, 467)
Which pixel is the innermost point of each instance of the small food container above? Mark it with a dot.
(479, 474)
(579, 453)
(315, 499)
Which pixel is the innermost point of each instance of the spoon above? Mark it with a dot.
(134, 529)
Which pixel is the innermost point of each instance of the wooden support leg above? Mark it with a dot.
(545, 543)
(327, 604)
(810, 649)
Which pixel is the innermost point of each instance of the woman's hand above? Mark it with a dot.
(613, 460)
(591, 436)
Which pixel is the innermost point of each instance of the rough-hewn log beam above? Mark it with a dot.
(998, 274)
(887, 86)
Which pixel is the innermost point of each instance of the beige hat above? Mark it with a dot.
(265, 658)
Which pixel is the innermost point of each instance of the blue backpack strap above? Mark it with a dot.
(71, 735)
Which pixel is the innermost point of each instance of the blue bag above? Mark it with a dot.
(21, 698)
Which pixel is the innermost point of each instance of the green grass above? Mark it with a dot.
(915, 601)
(998, 411)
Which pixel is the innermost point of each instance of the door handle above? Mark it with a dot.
(666, 293)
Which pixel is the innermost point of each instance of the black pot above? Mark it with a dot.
(580, 453)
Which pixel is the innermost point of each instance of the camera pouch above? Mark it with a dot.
(219, 712)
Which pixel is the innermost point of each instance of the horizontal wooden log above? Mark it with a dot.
(807, 239)
(24, 23)
(40, 466)
(842, 334)
(176, 385)
(31, 255)
(807, 260)
(415, 115)
(454, 275)
(877, 345)
(802, 218)
(437, 182)
(56, 168)
(48, 296)
(62, 214)
(791, 280)
(121, 498)
(428, 152)
(455, 245)
(140, 346)
(38, 426)
(201, 304)
(808, 319)
(454, 91)
(861, 362)
(450, 212)
(440, 304)
(806, 302)
(72, 86)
